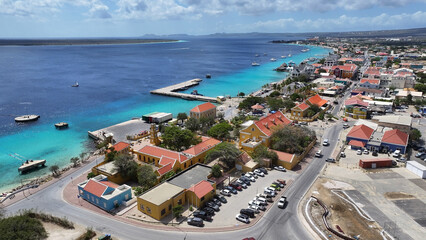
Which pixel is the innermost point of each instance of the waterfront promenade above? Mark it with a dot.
(172, 91)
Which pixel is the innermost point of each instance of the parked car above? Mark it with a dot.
(195, 221)
(272, 189)
(221, 199)
(225, 192)
(359, 152)
(231, 189)
(326, 142)
(267, 191)
(242, 183)
(396, 153)
(366, 152)
(275, 186)
(318, 154)
(213, 206)
(250, 177)
(374, 153)
(245, 180)
(401, 159)
(252, 174)
(260, 206)
(421, 149)
(259, 173)
(331, 160)
(420, 155)
(282, 201)
(279, 184)
(345, 125)
(217, 202)
(280, 168)
(342, 154)
(263, 170)
(236, 186)
(203, 215)
(265, 196)
(255, 208)
(209, 211)
(248, 212)
(281, 181)
(243, 218)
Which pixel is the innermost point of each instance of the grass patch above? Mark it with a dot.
(63, 222)
(88, 235)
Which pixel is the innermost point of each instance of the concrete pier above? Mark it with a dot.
(121, 130)
(172, 91)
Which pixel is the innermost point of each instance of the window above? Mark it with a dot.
(97, 201)
(202, 199)
(142, 207)
(180, 202)
(88, 196)
(104, 205)
(93, 199)
(170, 207)
(81, 192)
(148, 209)
(126, 196)
(163, 211)
(252, 129)
(115, 202)
(184, 165)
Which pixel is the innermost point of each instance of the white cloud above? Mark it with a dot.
(341, 23)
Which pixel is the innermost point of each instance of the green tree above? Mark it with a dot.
(409, 99)
(263, 152)
(138, 191)
(124, 164)
(216, 171)
(193, 124)
(206, 123)
(220, 131)
(22, 227)
(75, 161)
(83, 157)
(241, 94)
(392, 88)
(321, 61)
(54, 169)
(182, 116)
(146, 177)
(274, 94)
(275, 103)
(295, 96)
(225, 152)
(321, 70)
(420, 87)
(91, 175)
(250, 101)
(167, 176)
(110, 156)
(177, 211)
(415, 134)
(177, 139)
(288, 104)
(291, 139)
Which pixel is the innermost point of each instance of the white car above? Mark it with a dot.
(396, 153)
(225, 192)
(259, 173)
(272, 193)
(250, 177)
(366, 152)
(280, 168)
(243, 218)
(359, 152)
(271, 189)
(326, 142)
(255, 208)
(242, 184)
(281, 202)
(252, 174)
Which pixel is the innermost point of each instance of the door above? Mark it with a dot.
(373, 165)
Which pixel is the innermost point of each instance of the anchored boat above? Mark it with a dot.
(61, 125)
(27, 118)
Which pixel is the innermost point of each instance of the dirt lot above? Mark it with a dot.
(57, 232)
(342, 213)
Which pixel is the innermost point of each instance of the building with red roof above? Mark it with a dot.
(395, 140)
(104, 194)
(344, 71)
(360, 133)
(260, 131)
(300, 111)
(205, 110)
(372, 73)
(356, 108)
(286, 160)
(369, 83)
(120, 147)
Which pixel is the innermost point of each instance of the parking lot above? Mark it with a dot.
(228, 211)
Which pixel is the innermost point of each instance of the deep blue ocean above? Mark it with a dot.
(115, 81)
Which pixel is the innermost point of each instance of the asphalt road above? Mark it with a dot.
(276, 224)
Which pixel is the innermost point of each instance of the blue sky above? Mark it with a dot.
(132, 18)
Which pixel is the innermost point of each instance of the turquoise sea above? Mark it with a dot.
(115, 81)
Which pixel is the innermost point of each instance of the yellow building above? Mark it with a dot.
(356, 108)
(191, 187)
(260, 131)
(159, 201)
(205, 110)
(300, 111)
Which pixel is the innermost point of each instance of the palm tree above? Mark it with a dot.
(54, 169)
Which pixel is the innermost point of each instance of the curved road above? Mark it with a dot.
(275, 224)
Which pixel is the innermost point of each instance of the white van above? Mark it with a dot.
(396, 153)
(261, 199)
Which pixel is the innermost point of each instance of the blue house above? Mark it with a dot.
(394, 140)
(359, 134)
(103, 193)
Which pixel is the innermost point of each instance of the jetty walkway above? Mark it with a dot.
(172, 91)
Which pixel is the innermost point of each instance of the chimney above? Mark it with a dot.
(266, 125)
(273, 121)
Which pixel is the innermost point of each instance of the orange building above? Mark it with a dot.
(344, 71)
(205, 110)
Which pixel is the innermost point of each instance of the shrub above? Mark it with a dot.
(88, 235)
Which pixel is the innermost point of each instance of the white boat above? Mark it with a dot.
(283, 56)
(75, 84)
(255, 64)
(305, 50)
(289, 55)
(61, 125)
(27, 118)
(273, 59)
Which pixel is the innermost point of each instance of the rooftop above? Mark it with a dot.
(370, 81)
(203, 107)
(159, 152)
(317, 100)
(376, 160)
(108, 168)
(206, 144)
(356, 143)
(271, 121)
(361, 132)
(283, 156)
(202, 188)
(394, 119)
(190, 176)
(303, 106)
(161, 193)
(395, 136)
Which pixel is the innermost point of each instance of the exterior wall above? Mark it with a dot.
(348, 139)
(115, 178)
(393, 147)
(368, 85)
(102, 203)
(403, 128)
(356, 112)
(211, 113)
(195, 201)
(297, 158)
(252, 132)
(160, 211)
(298, 113)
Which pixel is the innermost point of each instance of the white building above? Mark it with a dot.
(416, 168)
(399, 78)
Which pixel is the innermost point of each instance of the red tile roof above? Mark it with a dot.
(303, 106)
(160, 152)
(165, 169)
(257, 106)
(267, 124)
(395, 136)
(109, 184)
(166, 161)
(361, 132)
(356, 143)
(245, 158)
(346, 67)
(203, 107)
(371, 81)
(201, 189)
(95, 188)
(355, 101)
(206, 144)
(120, 146)
(373, 71)
(317, 100)
(283, 156)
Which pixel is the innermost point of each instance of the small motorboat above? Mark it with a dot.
(27, 118)
(255, 64)
(61, 125)
(273, 60)
(75, 84)
(208, 76)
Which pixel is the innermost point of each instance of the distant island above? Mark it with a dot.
(89, 41)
